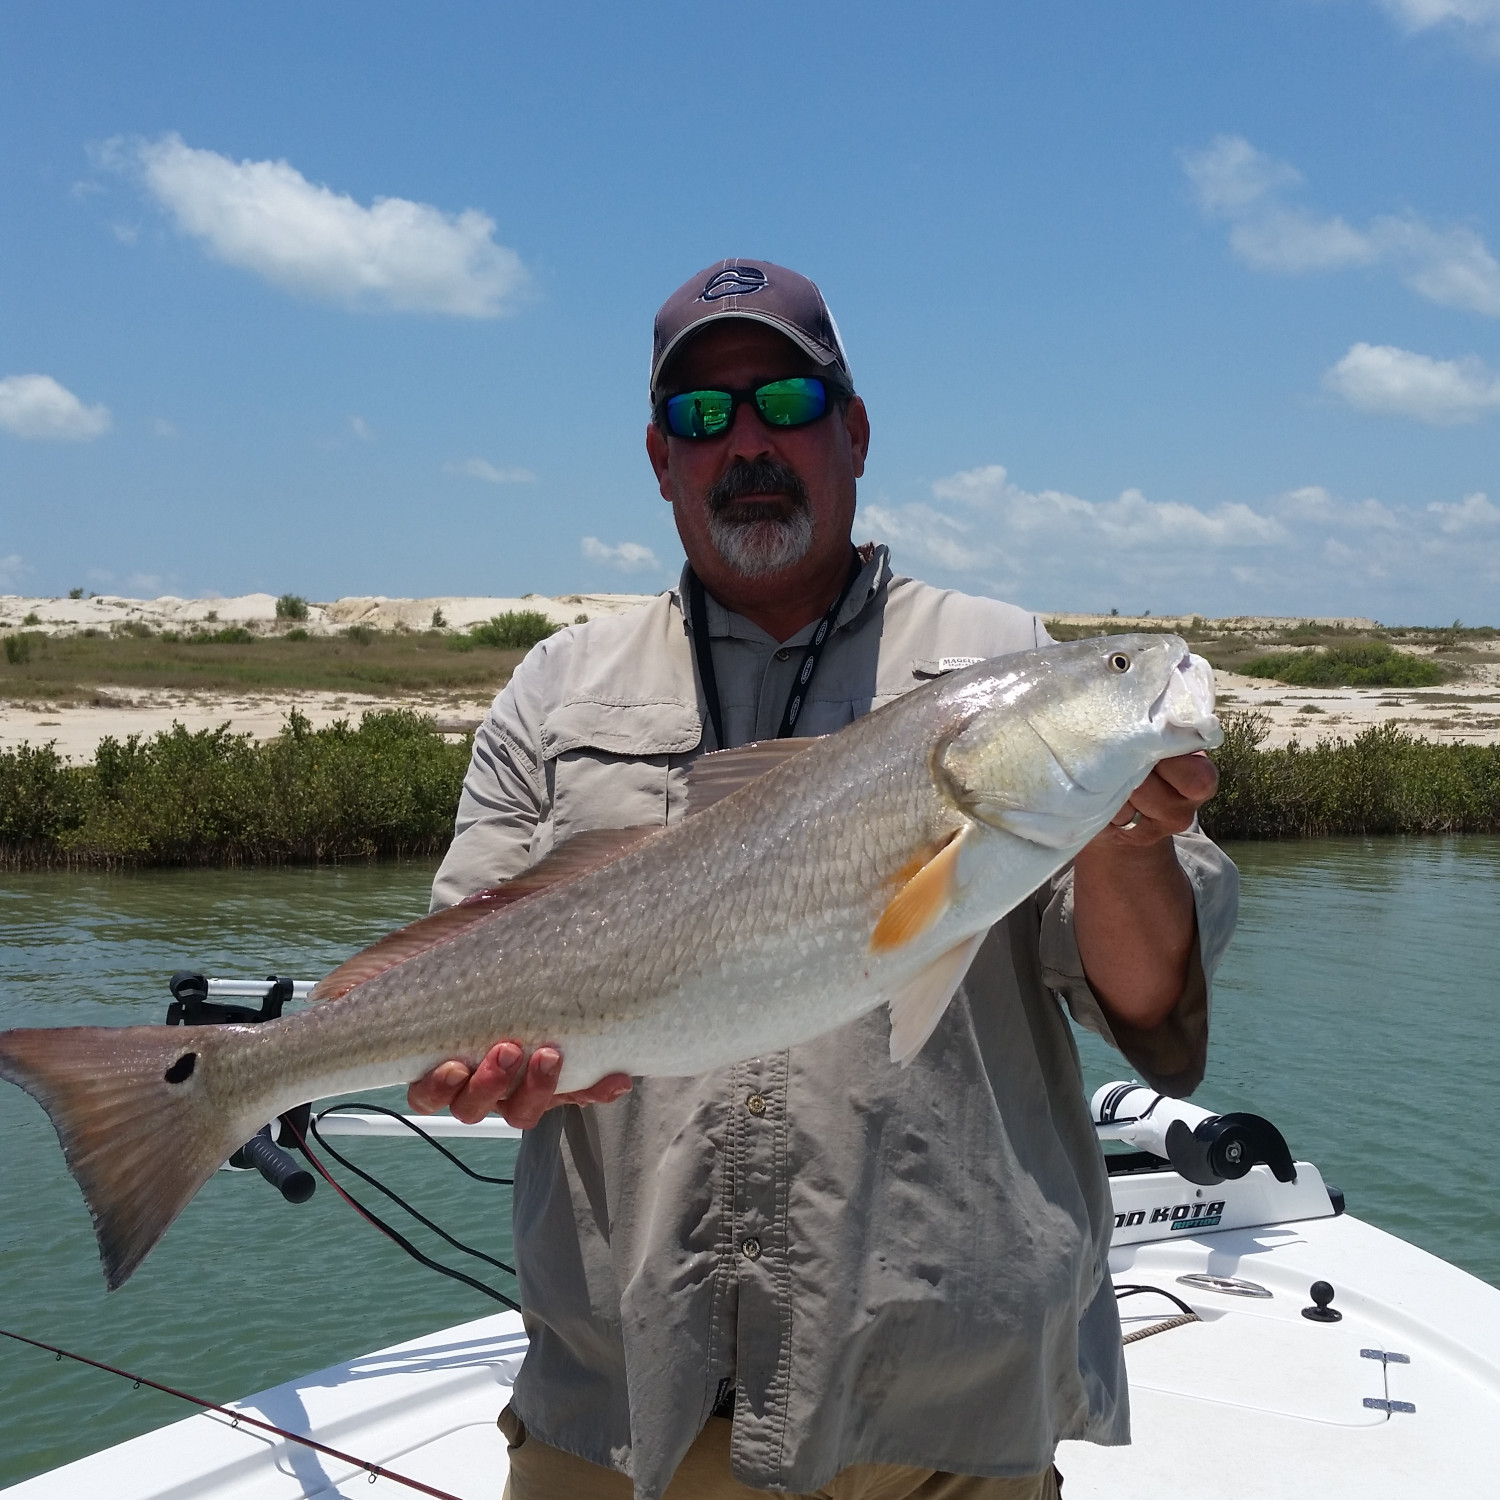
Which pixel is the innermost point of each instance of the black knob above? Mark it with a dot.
(1321, 1312)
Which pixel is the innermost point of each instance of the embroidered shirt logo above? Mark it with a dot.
(734, 281)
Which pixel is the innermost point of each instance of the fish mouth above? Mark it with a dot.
(1183, 713)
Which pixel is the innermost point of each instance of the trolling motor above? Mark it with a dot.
(197, 1001)
(1205, 1148)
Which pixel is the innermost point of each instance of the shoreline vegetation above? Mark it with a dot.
(388, 789)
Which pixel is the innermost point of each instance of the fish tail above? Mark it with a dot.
(133, 1109)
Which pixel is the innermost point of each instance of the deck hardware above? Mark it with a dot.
(1230, 1286)
(1321, 1312)
(1385, 1356)
(1379, 1403)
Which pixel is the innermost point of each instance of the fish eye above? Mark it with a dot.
(1119, 662)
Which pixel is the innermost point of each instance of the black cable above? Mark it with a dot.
(395, 1235)
(380, 1109)
(399, 1201)
(1121, 1292)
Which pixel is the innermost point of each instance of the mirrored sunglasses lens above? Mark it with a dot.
(696, 414)
(791, 403)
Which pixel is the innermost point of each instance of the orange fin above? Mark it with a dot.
(919, 1005)
(578, 856)
(714, 776)
(921, 901)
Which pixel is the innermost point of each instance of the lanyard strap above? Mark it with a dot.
(703, 653)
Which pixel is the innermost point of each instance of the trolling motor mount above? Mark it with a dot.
(191, 1006)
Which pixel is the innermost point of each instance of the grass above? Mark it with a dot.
(69, 668)
(1358, 664)
(388, 787)
(1381, 781)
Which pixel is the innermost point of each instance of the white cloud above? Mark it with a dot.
(163, 428)
(480, 468)
(627, 557)
(361, 429)
(1444, 392)
(1473, 510)
(12, 567)
(1250, 191)
(266, 217)
(1307, 551)
(1480, 19)
(36, 406)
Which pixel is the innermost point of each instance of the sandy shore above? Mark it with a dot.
(1465, 711)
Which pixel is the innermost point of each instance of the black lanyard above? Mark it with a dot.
(698, 610)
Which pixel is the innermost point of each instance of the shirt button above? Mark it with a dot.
(783, 654)
(751, 1249)
(756, 1104)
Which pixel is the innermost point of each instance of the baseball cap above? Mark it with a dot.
(753, 289)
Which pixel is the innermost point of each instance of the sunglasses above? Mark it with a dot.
(780, 403)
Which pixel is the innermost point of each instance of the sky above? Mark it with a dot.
(1156, 304)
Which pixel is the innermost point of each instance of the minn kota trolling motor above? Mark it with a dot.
(197, 1001)
(1205, 1148)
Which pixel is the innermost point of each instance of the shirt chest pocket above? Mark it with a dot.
(607, 764)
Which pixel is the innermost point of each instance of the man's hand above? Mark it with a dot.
(1133, 912)
(1167, 801)
(506, 1082)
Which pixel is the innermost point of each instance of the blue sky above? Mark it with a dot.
(1156, 304)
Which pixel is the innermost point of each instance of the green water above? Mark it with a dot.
(1358, 1009)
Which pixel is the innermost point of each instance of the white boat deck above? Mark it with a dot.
(1254, 1402)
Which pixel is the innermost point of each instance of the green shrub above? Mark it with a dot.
(1359, 664)
(75, 593)
(297, 634)
(291, 607)
(361, 635)
(516, 629)
(211, 797)
(32, 618)
(1381, 781)
(230, 635)
(18, 650)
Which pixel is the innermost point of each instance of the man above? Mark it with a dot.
(814, 1272)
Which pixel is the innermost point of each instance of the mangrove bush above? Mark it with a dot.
(1359, 664)
(181, 797)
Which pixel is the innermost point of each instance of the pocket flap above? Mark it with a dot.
(664, 728)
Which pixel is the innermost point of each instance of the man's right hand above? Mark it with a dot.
(518, 1089)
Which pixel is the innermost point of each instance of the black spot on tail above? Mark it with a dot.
(182, 1069)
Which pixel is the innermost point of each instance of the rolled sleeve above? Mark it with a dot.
(501, 803)
(1170, 1057)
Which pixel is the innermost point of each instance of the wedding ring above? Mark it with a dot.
(1135, 818)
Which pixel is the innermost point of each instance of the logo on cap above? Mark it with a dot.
(734, 281)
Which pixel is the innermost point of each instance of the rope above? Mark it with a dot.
(1180, 1321)
(375, 1471)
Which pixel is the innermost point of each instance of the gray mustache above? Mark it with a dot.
(757, 476)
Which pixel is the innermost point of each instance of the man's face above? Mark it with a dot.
(761, 502)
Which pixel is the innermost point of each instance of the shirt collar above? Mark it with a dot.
(874, 576)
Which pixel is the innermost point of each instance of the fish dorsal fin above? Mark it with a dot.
(572, 859)
(714, 776)
(918, 1005)
(922, 899)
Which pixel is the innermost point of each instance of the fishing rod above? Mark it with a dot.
(374, 1470)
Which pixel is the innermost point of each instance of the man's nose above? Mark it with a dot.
(749, 437)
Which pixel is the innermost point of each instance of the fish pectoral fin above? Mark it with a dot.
(922, 899)
(575, 857)
(918, 1005)
(714, 776)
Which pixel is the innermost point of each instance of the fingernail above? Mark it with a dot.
(508, 1055)
(548, 1063)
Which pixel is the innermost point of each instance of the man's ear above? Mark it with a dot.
(658, 453)
(857, 424)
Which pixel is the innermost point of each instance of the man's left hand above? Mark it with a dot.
(1167, 801)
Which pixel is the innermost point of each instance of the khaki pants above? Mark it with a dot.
(538, 1472)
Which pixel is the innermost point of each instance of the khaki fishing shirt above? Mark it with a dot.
(889, 1265)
